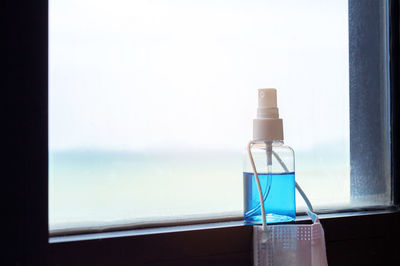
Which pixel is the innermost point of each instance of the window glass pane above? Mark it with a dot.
(369, 104)
(151, 104)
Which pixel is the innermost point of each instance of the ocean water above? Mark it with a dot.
(95, 188)
(279, 197)
(104, 187)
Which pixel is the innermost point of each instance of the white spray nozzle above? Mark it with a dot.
(267, 125)
(267, 98)
(267, 107)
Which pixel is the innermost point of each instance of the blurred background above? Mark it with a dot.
(151, 104)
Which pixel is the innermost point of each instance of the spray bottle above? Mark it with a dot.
(269, 168)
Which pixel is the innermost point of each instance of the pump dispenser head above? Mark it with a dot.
(267, 126)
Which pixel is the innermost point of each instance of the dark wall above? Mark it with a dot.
(25, 155)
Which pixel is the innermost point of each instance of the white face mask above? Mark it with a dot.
(291, 244)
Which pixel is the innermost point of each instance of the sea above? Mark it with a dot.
(89, 188)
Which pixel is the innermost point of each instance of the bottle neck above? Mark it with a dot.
(277, 142)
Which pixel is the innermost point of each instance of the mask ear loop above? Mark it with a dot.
(264, 219)
(310, 211)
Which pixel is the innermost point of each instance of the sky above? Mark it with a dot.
(183, 75)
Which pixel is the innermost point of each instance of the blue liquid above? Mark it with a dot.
(279, 198)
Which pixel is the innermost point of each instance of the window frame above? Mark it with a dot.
(394, 51)
(352, 238)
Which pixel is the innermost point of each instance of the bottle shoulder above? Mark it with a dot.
(275, 157)
(277, 146)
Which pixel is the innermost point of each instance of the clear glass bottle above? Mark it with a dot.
(275, 165)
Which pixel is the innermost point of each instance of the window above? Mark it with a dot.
(362, 238)
(151, 105)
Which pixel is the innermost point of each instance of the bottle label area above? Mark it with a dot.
(278, 191)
